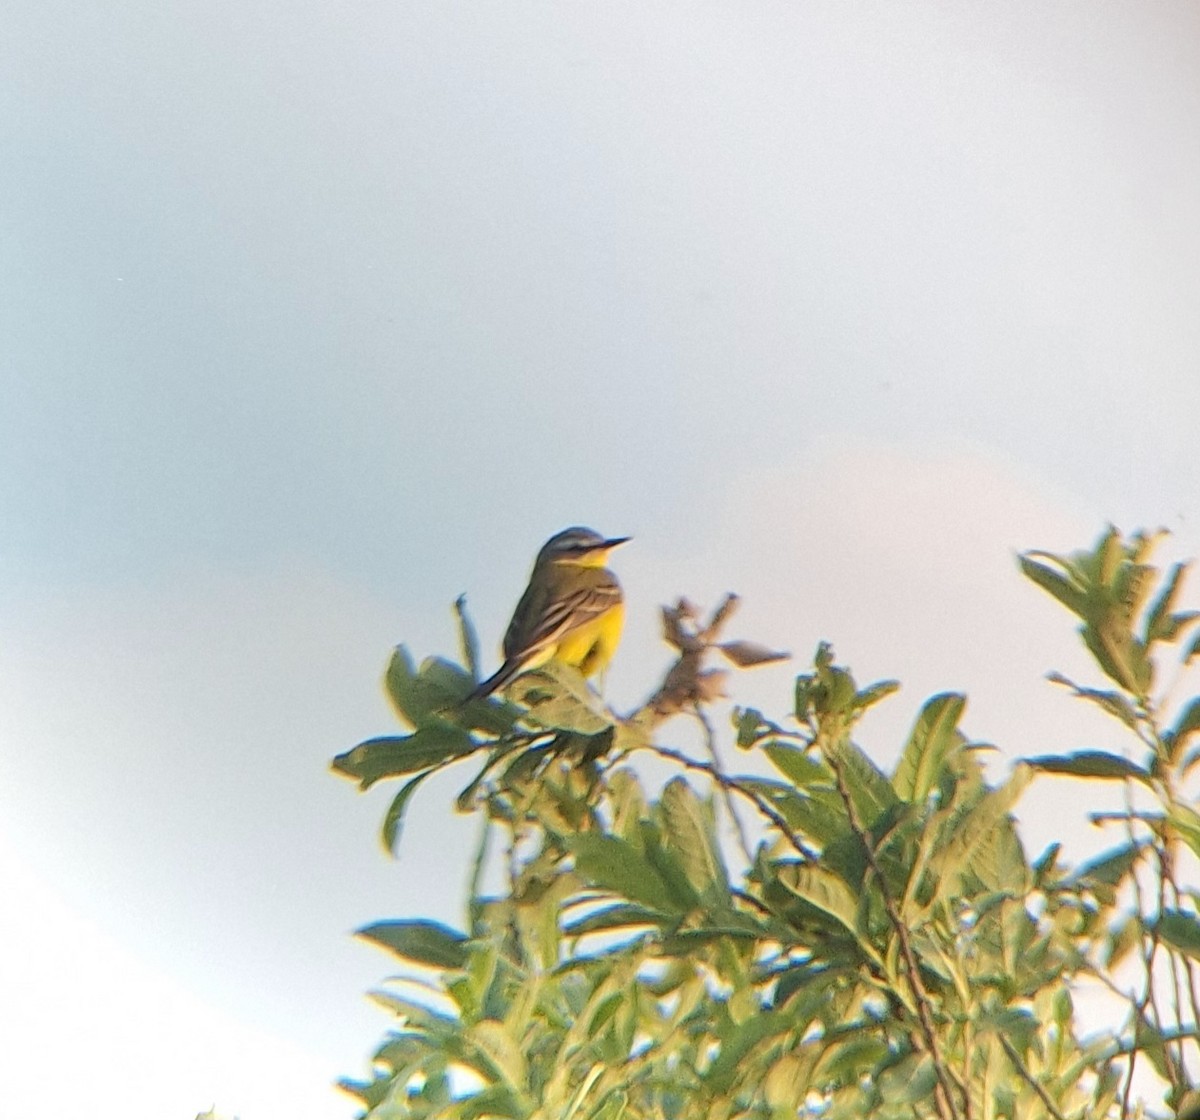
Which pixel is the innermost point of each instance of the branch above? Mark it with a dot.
(710, 741)
(732, 784)
(947, 1083)
(1029, 1079)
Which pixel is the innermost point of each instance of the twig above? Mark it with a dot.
(1148, 954)
(710, 741)
(725, 782)
(947, 1082)
(1029, 1079)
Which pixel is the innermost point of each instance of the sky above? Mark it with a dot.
(313, 317)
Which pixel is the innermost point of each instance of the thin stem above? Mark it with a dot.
(1149, 948)
(710, 742)
(1029, 1079)
(477, 867)
(725, 782)
(947, 1083)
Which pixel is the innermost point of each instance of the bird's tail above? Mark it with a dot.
(501, 677)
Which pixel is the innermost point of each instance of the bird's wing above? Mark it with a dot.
(560, 616)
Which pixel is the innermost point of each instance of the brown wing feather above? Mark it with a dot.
(544, 616)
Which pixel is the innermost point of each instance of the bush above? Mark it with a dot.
(878, 945)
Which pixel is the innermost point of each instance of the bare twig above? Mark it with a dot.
(1029, 1079)
(762, 804)
(710, 742)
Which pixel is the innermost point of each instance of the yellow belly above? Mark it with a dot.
(590, 648)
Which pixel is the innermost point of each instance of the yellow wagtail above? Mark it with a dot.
(572, 610)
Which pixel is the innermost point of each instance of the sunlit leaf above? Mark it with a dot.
(1066, 592)
(823, 890)
(559, 698)
(932, 737)
(1110, 867)
(1186, 822)
(502, 1051)
(869, 788)
(1158, 617)
(871, 695)
(851, 1058)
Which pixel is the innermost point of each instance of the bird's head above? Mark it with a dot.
(578, 545)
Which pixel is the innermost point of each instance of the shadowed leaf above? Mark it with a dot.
(394, 818)
(1089, 764)
(420, 941)
(392, 755)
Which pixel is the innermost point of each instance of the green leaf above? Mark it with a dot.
(558, 698)
(687, 942)
(417, 696)
(822, 890)
(869, 787)
(1110, 867)
(493, 1102)
(1158, 623)
(435, 1024)
(437, 693)
(619, 916)
(688, 832)
(1186, 725)
(1089, 764)
(750, 726)
(1105, 873)
(1192, 650)
(848, 1059)
(421, 941)
(431, 746)
(1111, 702)
(800, 768)
(981, 840)
(501, 1051)
(818, 814)
(930, 742)
(615, 865)
(1181, 931)
(1045, 862)
(1066, 592)
(1176, 623)
(872, 694)
(737, 1043)
(394, 818)
(669, 867)
(1186, 822)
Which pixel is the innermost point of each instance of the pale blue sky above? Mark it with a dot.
(312, 317)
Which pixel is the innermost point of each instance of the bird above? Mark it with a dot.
(572, 611)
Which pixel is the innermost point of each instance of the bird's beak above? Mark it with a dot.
(612, 542)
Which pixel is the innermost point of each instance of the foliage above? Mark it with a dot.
(880, 947)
